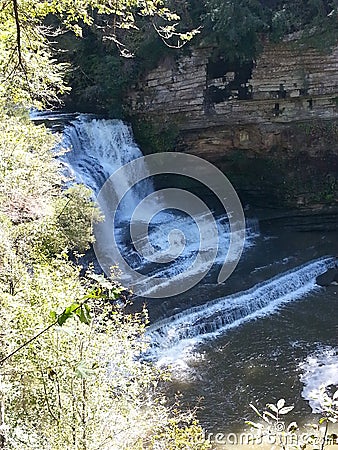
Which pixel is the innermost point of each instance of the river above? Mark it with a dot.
(264, 333)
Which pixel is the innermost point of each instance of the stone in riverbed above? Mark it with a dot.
(328, 277)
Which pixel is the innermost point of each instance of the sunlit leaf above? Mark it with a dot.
(286, 409)
(280, 403)
(84, 372)
(272, 407)
(83, 314)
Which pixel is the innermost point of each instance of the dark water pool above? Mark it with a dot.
(261, 360)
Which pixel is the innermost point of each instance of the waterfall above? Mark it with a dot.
(98, 148)
(175, 334)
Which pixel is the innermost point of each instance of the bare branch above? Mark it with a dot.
(5, 4)
(18, 30)
(56, 322)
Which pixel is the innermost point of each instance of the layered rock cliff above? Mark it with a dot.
(270, 125)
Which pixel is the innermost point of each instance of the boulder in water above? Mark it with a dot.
(328, 277)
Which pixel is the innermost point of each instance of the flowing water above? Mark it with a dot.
(267, 332)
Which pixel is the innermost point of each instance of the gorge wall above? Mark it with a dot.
(271, 126)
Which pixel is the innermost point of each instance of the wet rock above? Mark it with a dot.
(328, 277)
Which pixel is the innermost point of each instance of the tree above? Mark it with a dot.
(29, 73)
(71, 376)
(235, 25)
(82, 385)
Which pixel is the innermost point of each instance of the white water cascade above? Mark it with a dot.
(320, 370)
(97, 149)
(172, 337)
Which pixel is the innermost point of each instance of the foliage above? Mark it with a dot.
(81, 384)
(154, 137)
(29, 72)
(298, 15)
(48, 219)
(235, 26)
(180, 433)
(98, 75)
(78, 386)
(71, 376)
(322, 37)
(274, 429)
(74, 214)
(28, 173)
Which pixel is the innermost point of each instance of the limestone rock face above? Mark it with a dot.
(270, 125)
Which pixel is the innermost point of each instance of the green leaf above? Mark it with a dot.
(63, 318)
(67, 313)
(117, 292)
(95, 294)
(83, 314)
(73, 307)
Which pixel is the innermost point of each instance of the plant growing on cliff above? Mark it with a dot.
(154, 137)
(236, 26)
(239, 28)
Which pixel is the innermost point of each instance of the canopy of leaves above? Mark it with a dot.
(29, 72)
(236, 27)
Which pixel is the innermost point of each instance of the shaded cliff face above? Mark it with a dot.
(271, 126)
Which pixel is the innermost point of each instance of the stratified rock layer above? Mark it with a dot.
(271, 126)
